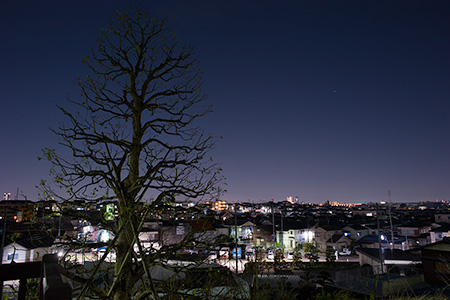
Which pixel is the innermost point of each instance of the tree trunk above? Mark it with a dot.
(124, 267)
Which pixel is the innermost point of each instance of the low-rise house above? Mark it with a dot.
(441, 231)
(149, 237)
(245, 233)
(235, 228)
(27, 247)
(221, 229)
(373, 241)
(442, 218)
(293, 233)
(262, 235)
(357, 231)
(307, 235)
(413, 229)
(436, 262)
(172, 233)
(339, 241)
(416, 233)
(202, 231)
(199, 230)
(322, 235)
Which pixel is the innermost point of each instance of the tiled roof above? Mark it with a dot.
(32, 239)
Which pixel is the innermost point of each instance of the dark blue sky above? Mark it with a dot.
(325, 100)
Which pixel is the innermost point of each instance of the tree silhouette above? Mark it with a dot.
(134, 132)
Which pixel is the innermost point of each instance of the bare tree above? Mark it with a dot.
(134, 132)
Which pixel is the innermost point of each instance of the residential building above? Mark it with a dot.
(322, 235)
(442, 218)
(417, 233)
(357, 231)
(30, 246)
(440, 232)
(294, 233)
(339, 241)
(436, 262)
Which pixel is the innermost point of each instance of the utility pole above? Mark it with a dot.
(380, 252)
(3, 233)
(282, 230)
(3, 243)
(236, 236)
(273, 227)
(390, 219)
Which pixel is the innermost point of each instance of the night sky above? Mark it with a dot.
(324, 100)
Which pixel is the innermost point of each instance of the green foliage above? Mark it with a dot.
(297, 256)
(324, 296)
(33, 288)
(341, 295)
(330, 255)
(259, 254)
(11, 291)
(108, 214)
(201, 284)
(312, 253)
(310, 247)
(261, 292)
(279, 245)
(282, 290)
(278, 260)
(305, 288)
(251, 267)
(314, 258)
(323, 277)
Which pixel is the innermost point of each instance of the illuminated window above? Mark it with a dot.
(179, 230)
(11, 255)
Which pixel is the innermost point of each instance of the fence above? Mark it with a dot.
(51, 285)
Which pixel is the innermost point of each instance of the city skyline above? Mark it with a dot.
(323, 100)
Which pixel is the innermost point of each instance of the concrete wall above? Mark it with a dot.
(400, 284)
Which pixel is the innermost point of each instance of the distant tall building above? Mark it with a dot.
(292, 200)
(17, 210)
(219, 205)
